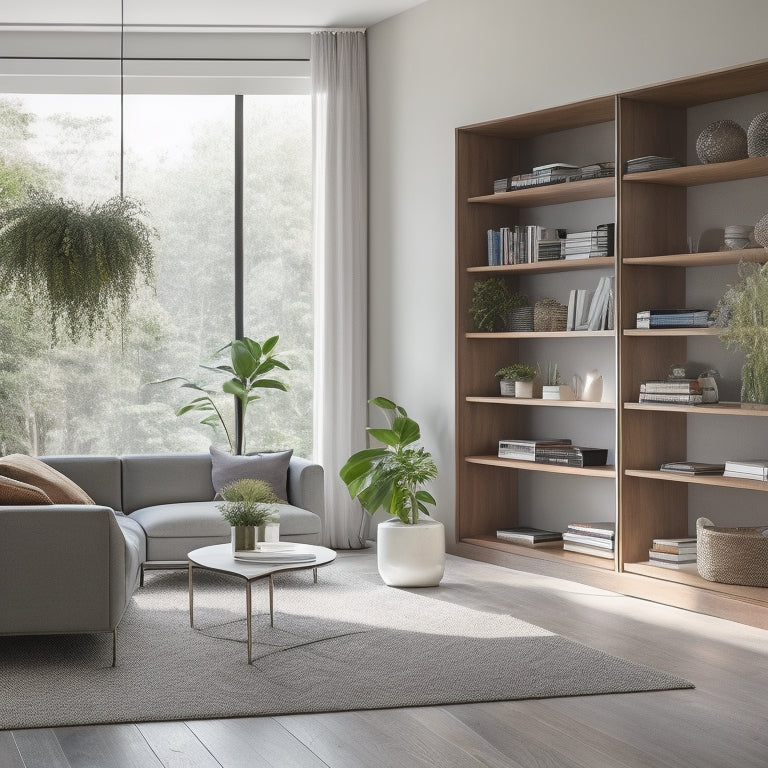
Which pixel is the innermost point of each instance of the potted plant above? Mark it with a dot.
(251, 362)
(743, 313)
(246, 510)
(411, 547)
(81, 263)
(522, 375)
(553, 387)
(492, 302)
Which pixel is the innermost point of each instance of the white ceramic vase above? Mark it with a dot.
(524, 389)
(411, 555)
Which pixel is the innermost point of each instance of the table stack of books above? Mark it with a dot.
(679, 391)
(590, 243)
(590, 539)
(672, 318)
(750, 469)
(530, 537)
(693, 468)
(672, 553)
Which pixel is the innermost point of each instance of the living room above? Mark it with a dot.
(432, 68)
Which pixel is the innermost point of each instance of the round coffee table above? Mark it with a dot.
(220, 558)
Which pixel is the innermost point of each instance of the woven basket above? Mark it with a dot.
(757, 136)
(550, 315)
(722, 141)
(732, 555)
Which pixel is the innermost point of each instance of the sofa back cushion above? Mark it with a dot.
(271, 467)
(98, 476)
(149, 480)
(59, 488)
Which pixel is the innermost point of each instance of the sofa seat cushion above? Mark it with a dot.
(203, 519)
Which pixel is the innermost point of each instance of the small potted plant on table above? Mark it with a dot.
(553, 388)
(247, 509)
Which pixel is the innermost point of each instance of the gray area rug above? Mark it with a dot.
(346, 643)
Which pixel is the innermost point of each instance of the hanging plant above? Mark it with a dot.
(81, 262)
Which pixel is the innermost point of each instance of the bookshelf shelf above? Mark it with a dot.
(556, 554)
(533, 466)
(708, 259)
(671, 332)
(544, 335)
(715, 409)
(561, 265)
(551, 194)
(719, 481)
(538, 402)
(711, 173)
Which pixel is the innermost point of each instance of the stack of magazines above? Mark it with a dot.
(590, 539)
(679, 391)
(651, 163)
(673, 318)
(554, 173)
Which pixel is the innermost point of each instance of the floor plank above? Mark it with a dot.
(106, 746)
(9, 752)
(40, 749)
(254, 742)
(176, 746)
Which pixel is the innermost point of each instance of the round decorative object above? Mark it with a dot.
(731, 555)
(761, 232)
(757, 136)
(550, 315)
(722, 141)
(411, 555)
(520, 319)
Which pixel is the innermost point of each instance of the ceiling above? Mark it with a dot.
(260, 13)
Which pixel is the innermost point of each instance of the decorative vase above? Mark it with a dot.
(593, 387)
(524, 389)
(411, 555)
(757, 136)
(721, 142)
(507, 387)
(557, 392)
(245, 537)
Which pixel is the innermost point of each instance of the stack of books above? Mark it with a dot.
(675, 391)
(751, 469)
(572, 456)
(673, 318)
(651, 163)
(530, 537)
(523, 244)
(554, 173)
(590, 539)
(527, 450)
(672, 553)
(590, 243)
(591, 310)
(693, 468)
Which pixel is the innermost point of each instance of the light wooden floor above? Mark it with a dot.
(723, 723)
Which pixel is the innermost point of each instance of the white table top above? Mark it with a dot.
(219, 558)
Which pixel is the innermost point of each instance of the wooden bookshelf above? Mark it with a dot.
(552, 194)
(533, 466)
(537, 402)
(560, 265)
(707, 259)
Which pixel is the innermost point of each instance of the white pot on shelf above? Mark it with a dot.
(557, 392)
(411, 555)
(523, 389)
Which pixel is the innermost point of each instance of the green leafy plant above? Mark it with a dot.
(518, 372)
(743, 311)
(251, 361)
(390, 478)
(246, 503)
(492, 301)
(81, 263)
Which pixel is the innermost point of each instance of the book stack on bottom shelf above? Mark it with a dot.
(672, 553)
(530, 537)
(590, 539)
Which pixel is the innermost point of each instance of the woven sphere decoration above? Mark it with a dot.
(722, 141)
(757, 136)
(550, 315)
(761, 231)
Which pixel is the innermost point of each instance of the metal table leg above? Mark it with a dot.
(248, 621)
(191, 608)
(271, 601)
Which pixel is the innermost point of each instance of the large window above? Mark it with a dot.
(99, 396)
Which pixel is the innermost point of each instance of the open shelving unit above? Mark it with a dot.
(652, 269)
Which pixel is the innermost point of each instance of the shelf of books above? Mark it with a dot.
(569, 192)
(710, 173)
(671, 331)
(716, 480)
(541, 335)
(607, 471)
(539, 402)
(708, 259)
(705, 409)
(556, 265)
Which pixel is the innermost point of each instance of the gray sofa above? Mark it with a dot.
(68, 568)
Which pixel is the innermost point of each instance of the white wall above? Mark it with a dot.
(449, 63)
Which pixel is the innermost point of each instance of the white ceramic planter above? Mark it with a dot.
(411, 555)
(524, 389)
(557, 392)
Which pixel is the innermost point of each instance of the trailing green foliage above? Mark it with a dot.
(246, 502)
(744, 310)
(81, 262)
(251, 362)
(391, 477)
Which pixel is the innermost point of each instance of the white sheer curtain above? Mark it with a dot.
(339, 107)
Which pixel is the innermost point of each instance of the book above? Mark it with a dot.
(525, 450)
(669, 564)
(585, 549)
(554, 166)
(573, 456)
(601, 529)
(672, 318)
(693, 468)
(594, 541)
(529, 536)
(678, 398)
(672, 557)
(687, 386)
(756, 468)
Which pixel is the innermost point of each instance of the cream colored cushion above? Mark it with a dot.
(59, 488)
(14, 493)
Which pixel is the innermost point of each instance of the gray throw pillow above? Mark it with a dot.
(271, 467)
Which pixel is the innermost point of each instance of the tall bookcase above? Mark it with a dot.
(655, 213)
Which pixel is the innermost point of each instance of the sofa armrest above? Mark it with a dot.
(62, 569)
(306, 486)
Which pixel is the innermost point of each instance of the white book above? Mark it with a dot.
(596, 306)
(571, 310)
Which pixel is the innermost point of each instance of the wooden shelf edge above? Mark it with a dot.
(542, 335)
(558, 265)
(540, 553)
(704, 259)
(608, 471)
(552, 194)
(713, 409)
(711, 331)
(719, 481)
(537, 401)
(709, 173)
